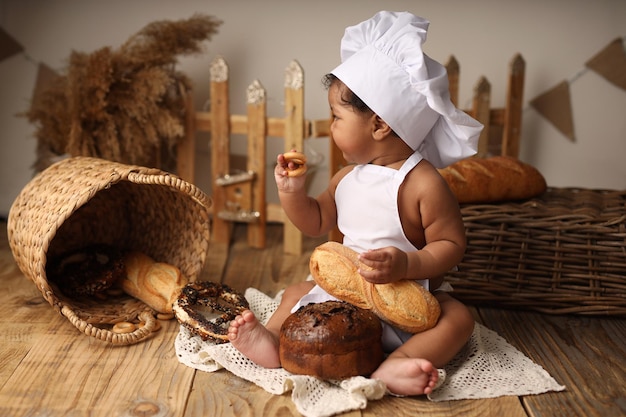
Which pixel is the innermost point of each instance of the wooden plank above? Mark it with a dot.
(24, 313)
(584, 354)
(320, 128)
(66, 373)
(16, 340)
(514, 104)
(203, 121)
(496, 116)
(220, 145)
(216, 261)
(294, 139)
(257, 109)
(269, 270)
(421, 407)
(223, 394)
(20, 300)
(481, 112)
(275, 125)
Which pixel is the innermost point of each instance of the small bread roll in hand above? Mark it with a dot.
(298, 159)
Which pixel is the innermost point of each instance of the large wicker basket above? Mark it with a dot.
(562, 252)
(80, 202)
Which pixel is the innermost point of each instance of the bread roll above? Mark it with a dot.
(331, 340)
(334, 268)
(157, 284)
(493, 179)
(404, 304)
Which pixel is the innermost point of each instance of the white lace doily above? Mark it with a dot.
(487, 367)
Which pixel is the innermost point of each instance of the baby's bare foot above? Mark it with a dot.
(257, 343)
(407, 376)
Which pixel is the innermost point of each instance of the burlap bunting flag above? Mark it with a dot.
(610, 63)
(555, 105)
(8, 45)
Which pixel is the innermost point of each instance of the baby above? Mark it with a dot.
(394, 122)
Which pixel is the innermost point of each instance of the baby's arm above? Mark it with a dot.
(313, 216)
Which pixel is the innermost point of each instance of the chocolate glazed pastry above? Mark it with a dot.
(331, 340)
(218, 297)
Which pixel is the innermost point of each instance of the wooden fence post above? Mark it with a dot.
(294, 139)
(220, 147)
(481, 112)
(257, 138)
(513, 108)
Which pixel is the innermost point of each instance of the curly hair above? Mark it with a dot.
(347, 97)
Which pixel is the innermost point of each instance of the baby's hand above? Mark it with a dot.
(289, 172)
(390, 265)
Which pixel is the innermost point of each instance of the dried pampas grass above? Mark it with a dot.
(125, 105)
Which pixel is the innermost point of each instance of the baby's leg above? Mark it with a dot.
(411, 369)
(258, 343)
(290, 298)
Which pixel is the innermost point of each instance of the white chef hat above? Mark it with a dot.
(382, 62)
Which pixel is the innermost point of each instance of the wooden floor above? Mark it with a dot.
(48, 368)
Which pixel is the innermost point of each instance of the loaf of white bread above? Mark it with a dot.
(404, 304)
(493, 179)
(157, 284)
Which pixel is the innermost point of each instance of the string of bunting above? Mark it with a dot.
(10, 47)
(555, 103)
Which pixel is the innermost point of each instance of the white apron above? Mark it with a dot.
(368, 217)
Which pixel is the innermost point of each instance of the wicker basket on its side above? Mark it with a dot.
(563, 252)
(81, 202)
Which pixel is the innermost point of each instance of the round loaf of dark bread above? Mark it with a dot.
(331, 340)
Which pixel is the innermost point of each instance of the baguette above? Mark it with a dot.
(404, 304)
(493, 179)
(157, 284)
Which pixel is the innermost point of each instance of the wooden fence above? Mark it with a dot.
(241, 196)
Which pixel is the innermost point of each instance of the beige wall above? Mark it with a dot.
(259, 39)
